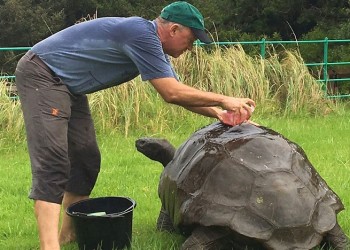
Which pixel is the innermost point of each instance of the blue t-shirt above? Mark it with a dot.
(105, 52)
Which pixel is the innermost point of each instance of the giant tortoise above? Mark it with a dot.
(244, 187)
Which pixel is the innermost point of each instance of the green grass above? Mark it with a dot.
(288, 100)
(125, 172)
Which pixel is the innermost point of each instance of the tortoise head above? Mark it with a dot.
(156, 149)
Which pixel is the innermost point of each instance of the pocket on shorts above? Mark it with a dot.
(55, 113)
(54, 107)
(55, 100)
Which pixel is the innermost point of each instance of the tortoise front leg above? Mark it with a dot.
(336, 239)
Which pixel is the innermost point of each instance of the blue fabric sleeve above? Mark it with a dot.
(147, 54)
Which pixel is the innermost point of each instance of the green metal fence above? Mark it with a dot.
(263, 46)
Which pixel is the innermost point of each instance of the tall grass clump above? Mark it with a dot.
(280, 84)
(11, 119)
(135, 105)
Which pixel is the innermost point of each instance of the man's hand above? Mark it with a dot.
(239, 106)
(236, 118)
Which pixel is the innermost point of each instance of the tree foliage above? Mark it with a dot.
(25, 22)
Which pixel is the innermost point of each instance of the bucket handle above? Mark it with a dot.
(119, 214)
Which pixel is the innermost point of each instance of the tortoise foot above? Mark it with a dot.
(164, 222)
(207, 238)
(336, 239)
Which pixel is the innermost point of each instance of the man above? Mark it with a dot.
(54, 77)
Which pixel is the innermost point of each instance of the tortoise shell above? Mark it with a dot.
(251, 180)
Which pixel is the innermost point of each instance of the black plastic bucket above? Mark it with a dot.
(103, 223)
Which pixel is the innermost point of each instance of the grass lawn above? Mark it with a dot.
(125, 172)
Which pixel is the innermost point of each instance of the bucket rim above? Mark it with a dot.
(112, 215)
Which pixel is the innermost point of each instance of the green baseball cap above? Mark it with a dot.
(186, 14)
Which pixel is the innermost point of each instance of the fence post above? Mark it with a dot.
(262, 47)
(325, 63)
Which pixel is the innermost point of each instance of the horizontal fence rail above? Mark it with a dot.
(263, 43)
(12, 49)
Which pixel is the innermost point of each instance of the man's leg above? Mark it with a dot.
(47, 215)
(67, 233)
(45, 102)
(85, 162)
